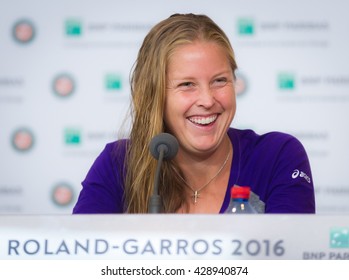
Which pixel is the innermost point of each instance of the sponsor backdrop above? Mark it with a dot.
(64, 87)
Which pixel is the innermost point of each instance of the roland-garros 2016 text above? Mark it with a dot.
(238, 248)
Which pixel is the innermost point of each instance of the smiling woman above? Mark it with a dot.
(200, 99)
(183, 83)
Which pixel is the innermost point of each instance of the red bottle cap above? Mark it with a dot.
(240, 192)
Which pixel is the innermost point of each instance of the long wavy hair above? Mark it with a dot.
(148, 90)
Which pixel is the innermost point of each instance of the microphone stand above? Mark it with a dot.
(155, 202)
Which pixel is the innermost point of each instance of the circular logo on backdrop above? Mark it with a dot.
(62, 194)
(63, 85)
(23, 31)
(240, 84)
(22, 139)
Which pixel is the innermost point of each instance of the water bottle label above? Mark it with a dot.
(256, 203)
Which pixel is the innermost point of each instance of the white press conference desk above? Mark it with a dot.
(169, 237)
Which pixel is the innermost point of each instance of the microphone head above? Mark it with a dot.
(164, 141)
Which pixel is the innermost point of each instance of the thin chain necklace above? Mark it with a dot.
(196, 193)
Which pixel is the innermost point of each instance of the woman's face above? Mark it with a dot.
(200, 97)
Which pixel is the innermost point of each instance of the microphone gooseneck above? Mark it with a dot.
(163, 146)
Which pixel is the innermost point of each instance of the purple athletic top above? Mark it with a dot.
(275, 166)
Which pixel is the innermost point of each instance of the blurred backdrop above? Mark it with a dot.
(64, 87)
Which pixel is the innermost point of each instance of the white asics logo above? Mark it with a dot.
(301, 174)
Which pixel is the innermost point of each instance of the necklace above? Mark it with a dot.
(196, 193)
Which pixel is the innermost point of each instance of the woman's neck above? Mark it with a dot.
(198, 168)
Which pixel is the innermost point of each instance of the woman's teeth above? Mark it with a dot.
(203, 120)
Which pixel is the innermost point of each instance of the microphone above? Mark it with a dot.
(163, 146)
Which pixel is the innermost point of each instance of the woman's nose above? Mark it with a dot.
(206, 97)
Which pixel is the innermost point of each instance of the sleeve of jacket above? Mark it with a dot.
(291, 188)
(102, 189)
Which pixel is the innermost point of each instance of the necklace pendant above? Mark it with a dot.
(195, 196)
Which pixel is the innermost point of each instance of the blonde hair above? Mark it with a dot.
(148, 88)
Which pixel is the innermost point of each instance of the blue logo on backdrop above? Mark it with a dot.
(73, 27)
(245, 26)
(339, 238)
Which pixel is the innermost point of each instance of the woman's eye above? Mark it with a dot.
(219, 82)
(186, 84)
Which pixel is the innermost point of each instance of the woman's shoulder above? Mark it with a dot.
(103, 185)
(112, 155)
(250, 137)
(118, 145)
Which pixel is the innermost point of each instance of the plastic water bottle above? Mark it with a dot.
(239, 203)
